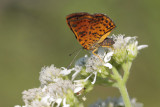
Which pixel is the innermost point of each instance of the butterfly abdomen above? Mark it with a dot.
(107, 42)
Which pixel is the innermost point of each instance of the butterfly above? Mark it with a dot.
(91, 31)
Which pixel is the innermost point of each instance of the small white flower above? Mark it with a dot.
(125, 48)
(66, 71)
(52, 74)
(36, 98)
(49, 75)
(93, 64)
(52, 94)
(107, 58)
(31, 94)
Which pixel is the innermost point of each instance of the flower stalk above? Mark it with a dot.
(121, 86)
(126, 68)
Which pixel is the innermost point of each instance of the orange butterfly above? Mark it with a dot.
(91, 30)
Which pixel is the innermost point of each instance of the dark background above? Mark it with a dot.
(34, 33)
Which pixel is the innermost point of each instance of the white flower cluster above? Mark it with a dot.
(52, 74)
(93, 65)
(54, 91)
(125, 48)
(57, 88)
(115, 102)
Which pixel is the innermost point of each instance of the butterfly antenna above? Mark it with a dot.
(74, 52)
(74, 57)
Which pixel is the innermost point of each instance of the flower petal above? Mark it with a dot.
(64, 103)
(78, 89)
(142, 46)
(108, 65)
(58, 101)
(87, 77)
(44, 88)
(94, 78)
(45, 100)
(65, 71)
(77, 69)
(108, 56)
(127, 39)
(17, 106)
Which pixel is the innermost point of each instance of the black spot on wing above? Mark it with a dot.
(82, 33)
(74, 25)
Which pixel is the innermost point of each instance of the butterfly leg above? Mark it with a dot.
(107, 46)
(96, 54)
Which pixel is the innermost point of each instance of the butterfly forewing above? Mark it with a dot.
(100, 26)
(89, 29)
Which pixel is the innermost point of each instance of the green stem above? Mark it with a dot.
(126, 67)
(124, 93)
(121, 86)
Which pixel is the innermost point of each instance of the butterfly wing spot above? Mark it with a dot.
(74, 25)
(82, 33)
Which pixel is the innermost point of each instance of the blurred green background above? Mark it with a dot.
(34, 33)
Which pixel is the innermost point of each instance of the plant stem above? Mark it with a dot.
(122, 88)
(126, 67)
(124, 93)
